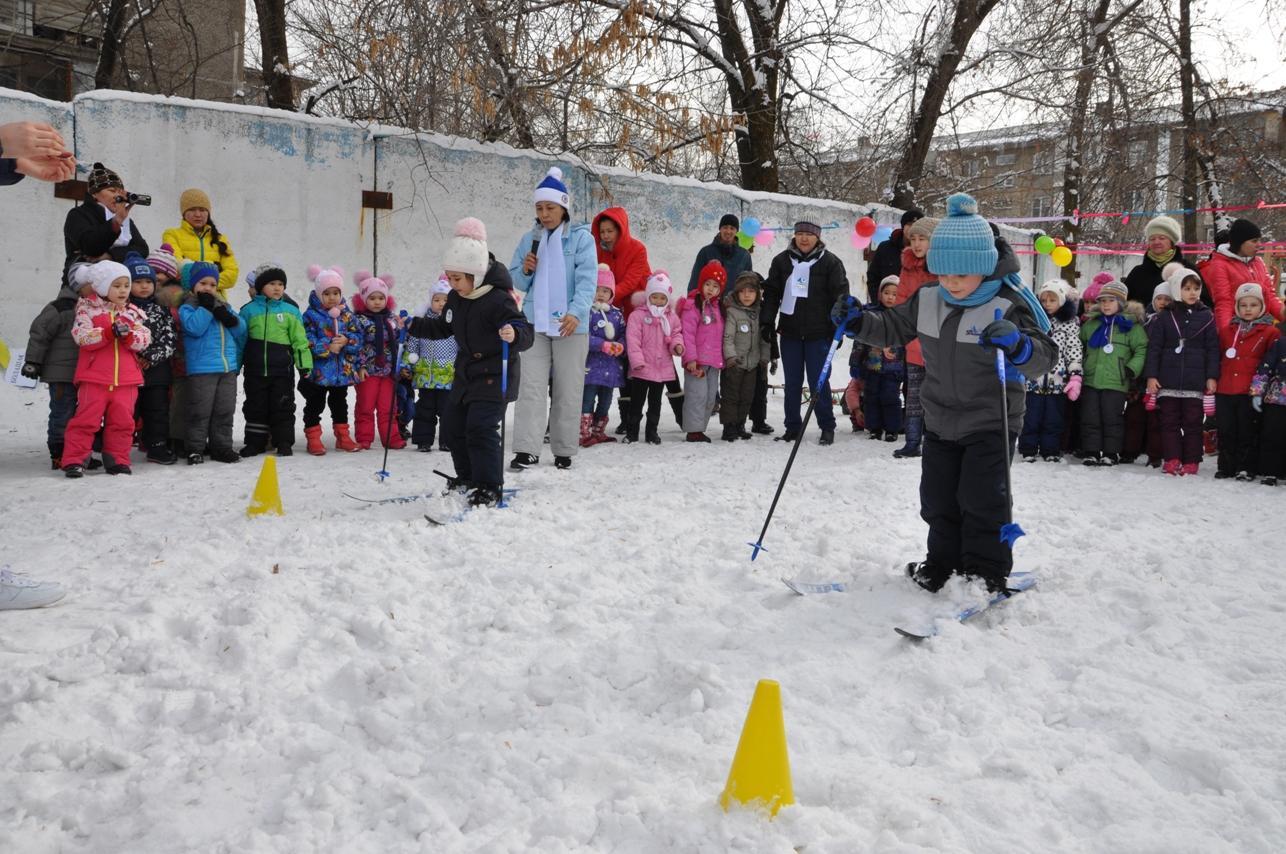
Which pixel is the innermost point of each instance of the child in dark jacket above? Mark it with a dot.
(1268, 397)
(978, 300)
(336, 342)
(480, 313)
(214, 337)
(1244, 342)
(604, 371)
(1043, 424)
(744, 354)
(276, 345)
(52, 354)
(153, 406)
(430, 366)
(377, 369)
(882, 369)
(1183, 371)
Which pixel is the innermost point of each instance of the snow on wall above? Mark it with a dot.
(287, 188)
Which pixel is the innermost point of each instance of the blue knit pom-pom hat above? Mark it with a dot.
(962, 243)
(552, 189)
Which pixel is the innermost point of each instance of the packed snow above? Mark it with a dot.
(572, 673)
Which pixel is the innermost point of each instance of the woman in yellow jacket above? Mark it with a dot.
(197, 238)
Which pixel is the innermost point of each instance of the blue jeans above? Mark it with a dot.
(62, 406)
(603, 394)
(1042, 425)
(797, 358)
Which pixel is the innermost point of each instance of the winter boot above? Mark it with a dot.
(730, 433)
(790, 435)
(890, 436)
(651, 436)
(1190, 468)
(395, 440)
(343, 441)
(162, 455)
(484, 496)
(928, 575)
(697, 437)
(827, 438)
(56, 457)
(876, 435)
(77, 470)
(562, 462)
(1172, 467)
(599, 430)
(914, 432)
(763, 428)
(587, 437)
(313, 436)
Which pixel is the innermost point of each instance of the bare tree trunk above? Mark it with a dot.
(753, 87)
(1189, 200)
(275, 54)
(111, 44)
(969, 15)
(511, 91)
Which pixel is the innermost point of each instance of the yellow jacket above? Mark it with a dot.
(190, 246)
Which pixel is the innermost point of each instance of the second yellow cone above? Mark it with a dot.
(760, 774)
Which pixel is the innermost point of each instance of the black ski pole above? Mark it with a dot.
(504, 406)
(383, 474)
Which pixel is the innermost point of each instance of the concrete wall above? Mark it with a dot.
(287, 188)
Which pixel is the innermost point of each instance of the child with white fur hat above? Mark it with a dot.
(1244, 343)
(1046, 404)
(430, 365)
(653, 337)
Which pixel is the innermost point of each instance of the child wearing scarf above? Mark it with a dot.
(1116, 348)
(653, 337)
(377, 364)
(604, 372)
(963, 494)
(1183, 372)
(1244, 343)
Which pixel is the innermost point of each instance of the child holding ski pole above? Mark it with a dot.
(481, 315)
(963, 477)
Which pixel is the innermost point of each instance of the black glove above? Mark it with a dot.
(205, 299)
(1003, 335)
(846, 314)
(766, 332)
(31, 370)
(224, 315)
(121, 328)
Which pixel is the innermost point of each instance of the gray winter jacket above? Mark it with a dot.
(741, 335)
(959, 392)
(50, 344)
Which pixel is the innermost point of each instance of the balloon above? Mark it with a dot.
(865, 227)
(750, 226)
(1045, 244)
(745, 240)
(1061, 256)
(883, 233)
(765, 237)
(1058, 241)
(859, 242)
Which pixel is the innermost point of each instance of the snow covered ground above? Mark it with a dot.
(571, 674)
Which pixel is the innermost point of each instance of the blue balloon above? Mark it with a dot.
(882, 234)
(750, 226)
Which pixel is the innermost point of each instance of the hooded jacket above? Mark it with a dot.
(580, 264)
(1115, 371)
(1066, 334)
(276, 343)
(209, 347)
(1250, 343)
(1183, 349)
(827, 282)
(627, 259)
(49, 341)
(475, 322)
(734, 259)
(741, 337)
(190, 245)
(605, 326)
(702, 332)
(913, 276)
(156, 359)
(887, 260)
(650, 349)
(332, 369)
(1225, 272)
(106, 358)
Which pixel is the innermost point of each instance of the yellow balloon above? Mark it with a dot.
(1061, 256)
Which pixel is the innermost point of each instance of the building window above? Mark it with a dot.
(1043, 162)
(17, 16)
(1137, 154)
(972, 168)
(1040, 206)
(1006, 159)
(1007, 181)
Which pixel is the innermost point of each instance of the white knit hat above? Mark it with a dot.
(1250, 289)
(1165, 226)
(1162, 290)
(1177, 278)
(1055, 286)
(101, 275)
(468, 250)
(659, 283)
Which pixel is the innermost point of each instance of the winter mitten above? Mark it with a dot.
(765, 332)
(1005, 336)
(846, 314)
(1208, 404)
(608, 348)
(205, 300)
(1074, 387)
(1257, 402)
(1150, 402)
(730, 362)
(121, 328)
(224, 315)
(772, 367)
(31, 370)
(618, 349)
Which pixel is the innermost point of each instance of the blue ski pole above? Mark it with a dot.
(1011, 530)
(758, 545)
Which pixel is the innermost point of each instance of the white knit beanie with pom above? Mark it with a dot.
(468, 250)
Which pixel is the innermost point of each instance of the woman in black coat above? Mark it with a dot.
(101, 224)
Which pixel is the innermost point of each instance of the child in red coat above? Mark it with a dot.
(1244, 342)
(110, 332)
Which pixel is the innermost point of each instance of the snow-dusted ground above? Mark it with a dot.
(572, 674)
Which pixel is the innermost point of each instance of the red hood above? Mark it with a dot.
(622, 220)
(628, 258)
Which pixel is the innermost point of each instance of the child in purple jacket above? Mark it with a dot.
(702, 319)
(1182, 369)
(604, 372)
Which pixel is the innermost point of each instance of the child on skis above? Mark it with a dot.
(276, 345)
(653, 337)
(109, 332)
(1244, 342)
(744, 354)
(336, 342)
(702, 322)
(480, 313)
(1115, 350)
(153, 406)
(1043, 424)
(882, 370)
(1183, 372)
(1268, 397)
(430, 365)
(377, 366)
(213, 339)
(604, 372)
(962, 483)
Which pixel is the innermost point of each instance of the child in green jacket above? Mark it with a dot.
(276, 344)
(1115, 349)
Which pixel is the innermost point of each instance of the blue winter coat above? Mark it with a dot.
(580, 258)
(332, 369)
(209, 347)
(600, 368)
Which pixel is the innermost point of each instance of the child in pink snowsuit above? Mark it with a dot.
(653, 337)
(702, 318)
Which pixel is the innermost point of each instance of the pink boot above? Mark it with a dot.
(1189, 468)
(1172, 467)
(586, 437)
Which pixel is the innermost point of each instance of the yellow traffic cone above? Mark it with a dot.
(760, 773)
(267, 495)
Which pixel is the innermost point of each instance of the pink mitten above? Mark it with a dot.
(1208, 404)
(608, 348)
(1150, 402)
(619, 349)
(1074, 387)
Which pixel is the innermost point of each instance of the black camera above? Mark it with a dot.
(134, 199)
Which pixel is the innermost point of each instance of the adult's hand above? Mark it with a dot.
(52, 169)
(567, 325)
(31, 140)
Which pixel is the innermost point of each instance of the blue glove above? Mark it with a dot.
(846, 314)
(1003, 335)
(1258, 403)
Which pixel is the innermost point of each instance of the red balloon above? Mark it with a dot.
(865, 226)
(1058, 241)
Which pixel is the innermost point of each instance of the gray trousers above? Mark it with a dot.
(212, 402)
(699, 396)
(563, 361)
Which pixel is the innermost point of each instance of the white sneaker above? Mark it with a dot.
(17, 592)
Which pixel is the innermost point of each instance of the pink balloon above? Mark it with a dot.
(860, 242)
(765, 237)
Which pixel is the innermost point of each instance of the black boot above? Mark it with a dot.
(730, 433)
(928, 575)
(652, 437)
(762, 428)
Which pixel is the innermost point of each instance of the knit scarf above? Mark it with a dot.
(662, 313)
(988, 290)
(1161, 258)
(549, 287)
(1103, 335)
